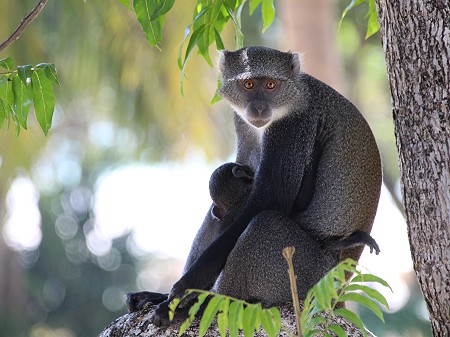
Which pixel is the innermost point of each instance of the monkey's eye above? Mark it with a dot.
(270, 84)
(248, 84)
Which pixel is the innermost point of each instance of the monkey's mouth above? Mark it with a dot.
(258, 122)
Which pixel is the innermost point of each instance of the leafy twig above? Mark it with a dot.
(23, 24)
(288, 253)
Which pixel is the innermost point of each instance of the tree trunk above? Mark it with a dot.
(308, 28)
(416, 40)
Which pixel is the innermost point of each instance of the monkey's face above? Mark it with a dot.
(257, 94)
(259, 101)
(259, 83)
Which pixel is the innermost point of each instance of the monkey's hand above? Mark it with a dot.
(137, 301)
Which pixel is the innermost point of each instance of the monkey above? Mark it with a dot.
(317, 179)
(229, 184)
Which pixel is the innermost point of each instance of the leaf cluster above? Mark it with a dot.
(372, 22)
(322, 302)
(26, 85)
(331, 292)
(208, 21)
(232, 315)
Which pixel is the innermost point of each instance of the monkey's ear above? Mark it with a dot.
(296, 62)
(222, 60)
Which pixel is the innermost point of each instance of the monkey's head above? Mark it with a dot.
(227, 185)
(259, 83)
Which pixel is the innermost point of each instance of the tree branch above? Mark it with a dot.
(23, 24)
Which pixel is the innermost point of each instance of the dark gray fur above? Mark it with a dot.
(317, 180)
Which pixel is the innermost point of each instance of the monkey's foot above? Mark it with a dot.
(160, 316)
(137, 301)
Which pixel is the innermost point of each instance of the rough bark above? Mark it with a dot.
(137, 324)
(416, 40)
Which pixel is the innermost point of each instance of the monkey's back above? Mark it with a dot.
(347, 181)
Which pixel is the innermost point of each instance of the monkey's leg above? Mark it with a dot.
(256, 270)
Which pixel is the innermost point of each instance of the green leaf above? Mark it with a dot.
(6, 91)
(313, 322)
(7, 63)
(7, 101)
(151, 28)
(268, 13)
(126, 3)
(322, 295)
(195, 37)
(250, 319)
(22, 101)
(50, 71)
(370, 278)
(25, 73)
(172, 307)
(234, 317)
(275, 313)
(351, 317)
(163, 8)
(222, 317)
(196, 307)
(219, 42)
(43, 99)
(186, 324)
(209, 314)
(188, 31)
(372, 24)
(313, 333)
(236, 18)
(367, 302)
(337, 330)
(253, 5)
(350, 6)
(2, 112)
(375, 294)
(268, 323)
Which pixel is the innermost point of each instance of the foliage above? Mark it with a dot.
(209, 19)
(232, 314)
(332, 291)
(27, 84)
(372, 22)
(322, 302)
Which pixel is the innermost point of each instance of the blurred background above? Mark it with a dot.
(110, 201)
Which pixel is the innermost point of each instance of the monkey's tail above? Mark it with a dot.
(356, 239)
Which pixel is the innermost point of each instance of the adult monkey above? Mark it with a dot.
(317, 179)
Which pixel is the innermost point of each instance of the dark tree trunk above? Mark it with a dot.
(416, 40)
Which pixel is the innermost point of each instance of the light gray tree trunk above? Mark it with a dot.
(309, 27)
(416, 40)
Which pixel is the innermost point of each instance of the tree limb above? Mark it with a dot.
(23, 24)
(137, 324)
